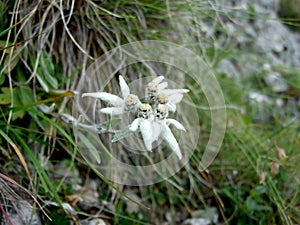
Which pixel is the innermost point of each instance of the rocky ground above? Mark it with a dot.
(261, 44)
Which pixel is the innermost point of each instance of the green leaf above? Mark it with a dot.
(39, 74)
(17, 113)
(42, 81)
(5, 99)
(253, 205)
(9, 64)
(7, 30)
(114, 122)
(44, 71)
(25, 93)
(260, 190)
(90, 142)
(2, 77)
(120, 134)
(48, 69)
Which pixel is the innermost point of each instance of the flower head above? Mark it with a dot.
(144, 111)
(132, 102)
(128, 102)
(152, 128)
(155, 86)
(162, 98)
(143, 124)
(156, 93)
(162, 111)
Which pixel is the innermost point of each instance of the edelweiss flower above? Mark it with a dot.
(143, 124)
(156, 93)
(151, 117)
(154, 87)
(128, 102)
(162, 119)
(153, 128)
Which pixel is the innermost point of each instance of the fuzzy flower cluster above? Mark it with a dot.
(150, 116)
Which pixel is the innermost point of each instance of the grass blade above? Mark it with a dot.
(19, 154)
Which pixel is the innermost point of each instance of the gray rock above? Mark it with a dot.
(276, 82)
(203, 217)
(96, 221)
(24, 214)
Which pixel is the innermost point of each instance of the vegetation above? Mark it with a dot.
(46, 49)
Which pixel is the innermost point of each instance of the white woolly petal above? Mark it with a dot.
(175, 98)
(157, 80)
(175, 91)
(171, 107)
(134, 126)
(107, 97)
(114, 111)
(124, 87)
(147, 133)
(171, 140)
(162, 86)
(157, 127)
(178, 125)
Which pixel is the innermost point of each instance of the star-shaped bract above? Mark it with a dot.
(128, 102)
(153, 128)
(156, 93)
(165, 132)
(144, 124)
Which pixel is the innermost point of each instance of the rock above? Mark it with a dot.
(96, 221)
(25, 214)
(276, 82)
(89, 196)
(226, 67)
(256, 97)
(200, 221)
(131, 206)
(203, 217)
